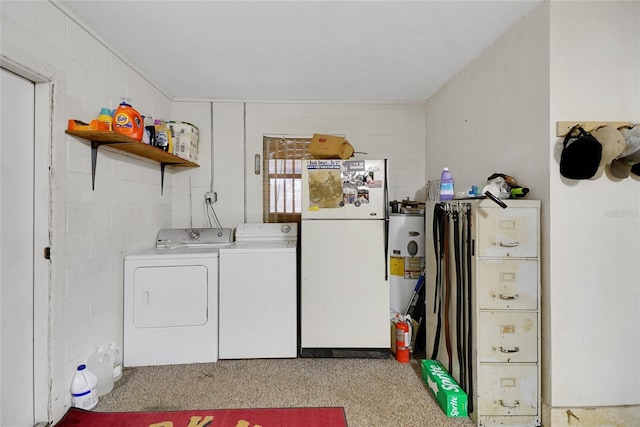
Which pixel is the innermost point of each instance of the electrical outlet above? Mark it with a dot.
(211, 197)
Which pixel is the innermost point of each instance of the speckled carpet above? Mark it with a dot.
(373, 392)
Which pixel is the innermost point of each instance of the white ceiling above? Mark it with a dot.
(299, 50)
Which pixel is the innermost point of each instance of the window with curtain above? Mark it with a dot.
(282, 177)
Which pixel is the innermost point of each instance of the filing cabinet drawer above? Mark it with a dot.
(508, 389)
(507, 284)
(505, 336)
(511, 232)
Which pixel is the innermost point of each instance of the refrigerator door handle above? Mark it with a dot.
(386, 222)
(386, 191)
(386, 249)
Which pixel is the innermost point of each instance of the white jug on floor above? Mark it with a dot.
(84, 394)
(100, 364)
(116, 360)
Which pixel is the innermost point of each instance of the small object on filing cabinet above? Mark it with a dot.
(446, 185)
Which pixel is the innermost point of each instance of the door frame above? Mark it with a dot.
(42, 221)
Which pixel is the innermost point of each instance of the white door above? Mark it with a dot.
(16, 250)
(170, 296)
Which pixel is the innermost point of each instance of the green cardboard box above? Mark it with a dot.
(451, 397)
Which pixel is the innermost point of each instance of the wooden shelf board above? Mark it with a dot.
(562, 128)
(132, 146)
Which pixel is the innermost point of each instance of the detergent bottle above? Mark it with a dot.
(105, 117)
(164, 139)
(128, 121)
(446, 185)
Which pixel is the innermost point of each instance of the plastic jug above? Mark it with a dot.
(116, 360)
(128, 121)
(84, 394)
(446, 185)
(100, 364)
(105, 117)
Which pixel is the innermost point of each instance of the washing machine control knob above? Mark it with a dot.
(285, 228)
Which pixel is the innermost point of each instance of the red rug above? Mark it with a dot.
(279, 417)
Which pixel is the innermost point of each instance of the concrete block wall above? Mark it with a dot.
(391, 131)
(222, 168)
(91, 231)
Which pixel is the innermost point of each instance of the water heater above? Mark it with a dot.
(406, 257)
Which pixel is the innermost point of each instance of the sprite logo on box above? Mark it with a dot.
(450, 396)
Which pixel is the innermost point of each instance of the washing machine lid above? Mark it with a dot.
(270, 232)
(270, 246)
(174, 238)
(183, 252)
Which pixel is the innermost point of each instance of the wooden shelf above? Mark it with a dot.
(129, 145)
(562, 128)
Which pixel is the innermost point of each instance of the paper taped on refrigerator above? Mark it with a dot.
(344, 189)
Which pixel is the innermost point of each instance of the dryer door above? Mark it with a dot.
(169, 296)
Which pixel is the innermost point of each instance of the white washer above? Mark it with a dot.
(258, 293)
(171, 299)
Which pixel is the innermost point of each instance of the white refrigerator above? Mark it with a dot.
(344, 286)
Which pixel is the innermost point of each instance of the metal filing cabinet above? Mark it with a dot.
(503, 378)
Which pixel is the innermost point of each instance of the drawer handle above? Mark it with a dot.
(508, 297)
(515, 404)
(511, 244)
(509, 350)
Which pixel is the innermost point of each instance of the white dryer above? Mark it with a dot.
(258, 293)
(171, 299)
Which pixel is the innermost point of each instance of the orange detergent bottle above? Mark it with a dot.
(128, 121)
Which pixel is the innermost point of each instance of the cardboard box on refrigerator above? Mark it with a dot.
(330, 147)
(185, 140)
(450, 396)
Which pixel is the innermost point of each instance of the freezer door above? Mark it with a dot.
(344, 293)
(344, 189)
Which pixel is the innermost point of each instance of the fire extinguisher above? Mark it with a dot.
(403, 339)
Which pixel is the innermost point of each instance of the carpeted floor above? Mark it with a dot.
(373, 392)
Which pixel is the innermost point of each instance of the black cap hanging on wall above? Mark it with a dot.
(581, 154)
